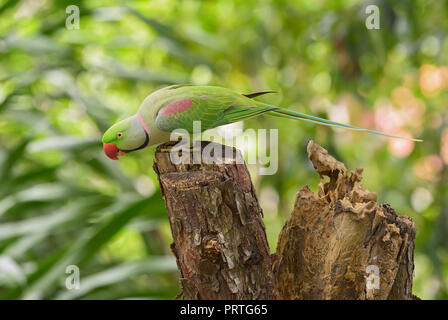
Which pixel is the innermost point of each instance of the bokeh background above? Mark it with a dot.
(62, 202)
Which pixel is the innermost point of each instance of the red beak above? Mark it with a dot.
(110, 150)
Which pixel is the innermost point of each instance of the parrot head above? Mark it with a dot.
(125, 136)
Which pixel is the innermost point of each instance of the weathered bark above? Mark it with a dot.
(219, 236)
(325, 251)
(336, 240)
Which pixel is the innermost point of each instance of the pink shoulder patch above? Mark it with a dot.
(176, 107)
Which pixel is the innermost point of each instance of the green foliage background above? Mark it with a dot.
(62, 202)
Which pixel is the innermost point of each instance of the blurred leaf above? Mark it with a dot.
(10, 272)
(122, 272)
(62, 143)
(85, 247)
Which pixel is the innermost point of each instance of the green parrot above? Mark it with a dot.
(177, 106)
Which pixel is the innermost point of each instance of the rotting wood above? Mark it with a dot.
(341, 244)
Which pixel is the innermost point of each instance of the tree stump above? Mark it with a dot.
(341, 244)
(337, 244)
(219, 236)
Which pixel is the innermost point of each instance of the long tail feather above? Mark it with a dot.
(285, 113)
(256, 94)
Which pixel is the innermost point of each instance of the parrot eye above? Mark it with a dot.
(119, 135)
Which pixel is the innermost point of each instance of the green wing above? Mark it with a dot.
(215, 106)
(238, 113)
(212, 108)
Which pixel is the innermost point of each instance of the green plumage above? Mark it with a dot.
(216, 106)
(213, 106)
(178, 106)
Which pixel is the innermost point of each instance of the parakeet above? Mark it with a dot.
(177, 106)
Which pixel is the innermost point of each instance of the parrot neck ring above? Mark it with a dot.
(143, 124)
(138, 148)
